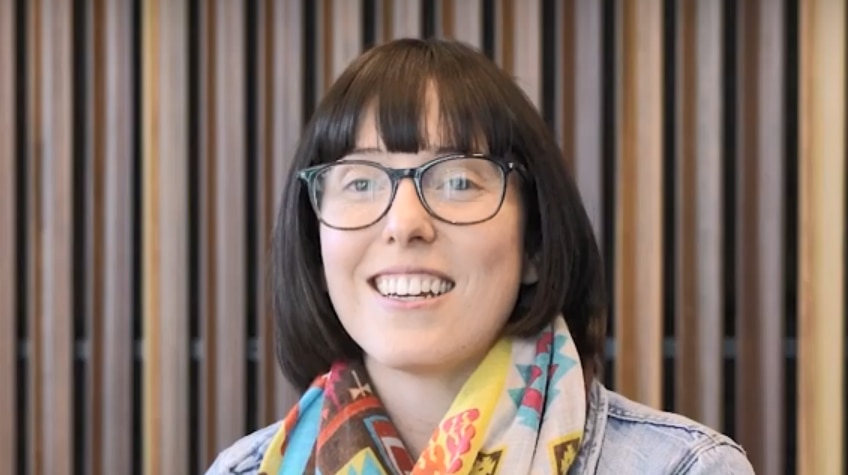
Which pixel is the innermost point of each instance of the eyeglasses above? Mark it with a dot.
(457, 189)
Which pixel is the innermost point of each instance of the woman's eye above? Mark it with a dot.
(458, 183)
(359, 185)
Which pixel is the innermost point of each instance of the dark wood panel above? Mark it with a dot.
(760, 245)
(699, 190)
(639, 212)
(50, 143)
(8, 246)
(109, 269)
(821, 334)
(165, 248)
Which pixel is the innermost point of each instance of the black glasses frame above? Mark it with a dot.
(309, 175)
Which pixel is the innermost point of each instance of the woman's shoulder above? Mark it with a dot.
(635, 436)
(245, 455)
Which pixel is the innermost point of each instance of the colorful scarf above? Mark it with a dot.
(521, 411)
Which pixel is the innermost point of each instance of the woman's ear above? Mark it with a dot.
(529, 271)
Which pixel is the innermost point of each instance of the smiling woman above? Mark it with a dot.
(439, 295)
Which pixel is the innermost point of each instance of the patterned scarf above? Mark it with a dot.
(521, 411)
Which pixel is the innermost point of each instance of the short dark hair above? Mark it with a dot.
(476, 99)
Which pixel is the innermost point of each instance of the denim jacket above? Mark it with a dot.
(622, 437)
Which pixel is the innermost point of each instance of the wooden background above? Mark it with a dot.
(143, 142)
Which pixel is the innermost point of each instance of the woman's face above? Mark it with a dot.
(481, 267)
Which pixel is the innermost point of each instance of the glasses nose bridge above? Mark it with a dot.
(398, 174)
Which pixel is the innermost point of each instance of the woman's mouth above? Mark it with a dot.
(411, 286)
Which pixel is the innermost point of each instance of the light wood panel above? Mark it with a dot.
(526, 62)
(463, 20)
(8, 237)
(821, 330)
(760, 245)
(638, 234)
(110, 221)
(165, 242)
(698, 197)
(223, 218)
(401, 19)
(49, 232)
(580, 91)
(340, 38)
(284, 123)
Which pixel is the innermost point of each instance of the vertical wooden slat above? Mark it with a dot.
(165, 247)
(527, 48)
(50, 232)
(284, 122)
(402, 19)
(505, 34)
(224, 223)
(579, 92)
(8, 248)
(338, 39)
(110, 240)
(760, 245)
(699, 312)
(463, 21)
(638, 234)
(821, 392)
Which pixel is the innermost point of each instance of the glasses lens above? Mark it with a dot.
(464, 190)
(352, 195)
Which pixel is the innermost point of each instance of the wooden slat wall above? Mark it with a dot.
(165, 237)
(8, 238)
(109, 207)
(760, 237)
(580, 117)
(283, 121)
(49, 236)
(698, 199)
(164, 174)
(223, 209)
(821, 431)
(639, 216)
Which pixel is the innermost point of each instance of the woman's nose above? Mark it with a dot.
(407, 219)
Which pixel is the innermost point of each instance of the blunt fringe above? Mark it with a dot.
(476, 99)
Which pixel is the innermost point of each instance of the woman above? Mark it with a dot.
(438, 291)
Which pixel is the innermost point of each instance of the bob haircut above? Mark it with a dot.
(476, 100)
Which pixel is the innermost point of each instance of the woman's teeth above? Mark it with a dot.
(412, 285)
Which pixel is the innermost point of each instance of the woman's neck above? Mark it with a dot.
(416, 402)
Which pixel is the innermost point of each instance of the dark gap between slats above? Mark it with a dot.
(428, 18)
(791, 104)
(669, 198)
(80, 259)
(549, 62)
(729, 110)
(369, 24)
(488, 17)
(22, 211)
(310, 61)
(137, 233)
(253, 258)
(608, 148)
(193, 190)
